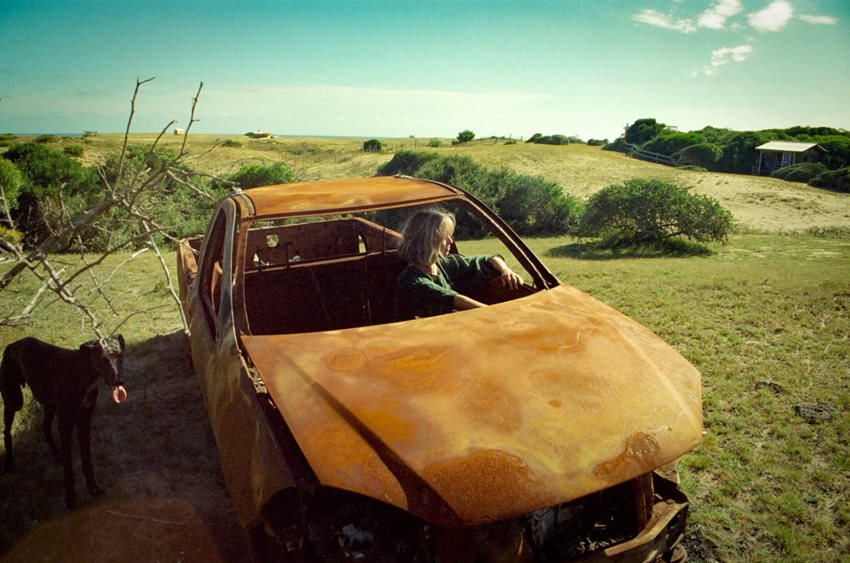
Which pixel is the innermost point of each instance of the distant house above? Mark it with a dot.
(178, 131)
(777, 154)
(259, 135)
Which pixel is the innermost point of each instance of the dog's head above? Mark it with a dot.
(107, 358)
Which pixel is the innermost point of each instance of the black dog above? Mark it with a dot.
(65, 383)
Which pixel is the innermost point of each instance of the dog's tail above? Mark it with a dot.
(11, 383)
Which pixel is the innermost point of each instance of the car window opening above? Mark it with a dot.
(332, 273)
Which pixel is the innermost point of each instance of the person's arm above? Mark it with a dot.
(507, 277)
(462, 303)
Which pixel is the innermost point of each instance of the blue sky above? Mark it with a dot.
(394, 68)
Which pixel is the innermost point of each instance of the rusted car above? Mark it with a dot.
(544, 427)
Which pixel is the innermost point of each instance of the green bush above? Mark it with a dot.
(256, 175)
(464, 136)
(406, 163)
(802, 172)
(372, 145)
(177, 210)
(597, 142)
(435, 143)
(836, 180)
(11, 181)
(74, 150)
(46, 173)
(231, 143)
(44, 139)
(739, 152)
(651, 211)
(671, 142)
(549, 139)
(704, 155)
(531, 205)
(619, 145)
(837, 150)
(643, 130)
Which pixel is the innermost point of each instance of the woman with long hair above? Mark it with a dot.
(434, 281)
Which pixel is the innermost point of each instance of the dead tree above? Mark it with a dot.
(122, 194)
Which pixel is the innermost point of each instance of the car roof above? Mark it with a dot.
(343, 195)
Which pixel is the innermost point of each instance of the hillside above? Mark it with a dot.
(758, 204)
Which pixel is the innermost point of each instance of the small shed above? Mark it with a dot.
(178, 131)
(776, 154)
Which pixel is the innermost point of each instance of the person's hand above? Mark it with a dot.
(510, 279)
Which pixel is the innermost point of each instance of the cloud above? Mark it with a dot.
(773, 18)
(819, 20)
(664, 21)
(716, 16)
(726, 55)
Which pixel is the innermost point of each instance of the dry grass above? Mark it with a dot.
(758, 204)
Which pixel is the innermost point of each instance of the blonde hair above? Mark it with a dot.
(422, 234)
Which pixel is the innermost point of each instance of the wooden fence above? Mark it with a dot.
(638, 152)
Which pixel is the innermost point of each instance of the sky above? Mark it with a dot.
(427, 68)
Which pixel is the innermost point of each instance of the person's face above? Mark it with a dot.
(446, 244)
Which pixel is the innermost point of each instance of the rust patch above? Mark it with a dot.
(493, 406)
(346, 360)
(483, 486)
(640, 451)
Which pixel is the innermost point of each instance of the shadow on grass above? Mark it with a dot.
(599, 250)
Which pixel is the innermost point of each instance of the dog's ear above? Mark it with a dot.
(121, 341)
(91, 346)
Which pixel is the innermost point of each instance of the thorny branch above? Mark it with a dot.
(122, 193)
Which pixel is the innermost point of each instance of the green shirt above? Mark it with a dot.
(419, 294)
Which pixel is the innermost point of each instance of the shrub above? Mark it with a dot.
(651, 211)
(372, 145)
(643, 130)
(531, 205)
(406, 163)
(435, 143)
(46, 173)
(11, 181)
(74, 150)
(739, 152)
(619, 145)
(465, 136)
(836, 180)
(178, 210)
(671, 142)
(837, 150)
(231, 143)
(597, 142)
(802, 172)
(44, 139)
(257, 175)
(549, 139)
(534, 206)
(705, 155)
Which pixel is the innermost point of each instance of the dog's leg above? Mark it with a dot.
(65, 431)
(47, 426)
(8, 419)
(84, 436)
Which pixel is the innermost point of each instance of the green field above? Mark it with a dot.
(765, 318)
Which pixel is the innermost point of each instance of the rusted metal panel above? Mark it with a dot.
(330, 196)
(536, 401)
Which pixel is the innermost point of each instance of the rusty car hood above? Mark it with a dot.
(485, 414)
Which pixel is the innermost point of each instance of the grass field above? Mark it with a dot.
(766, 319)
